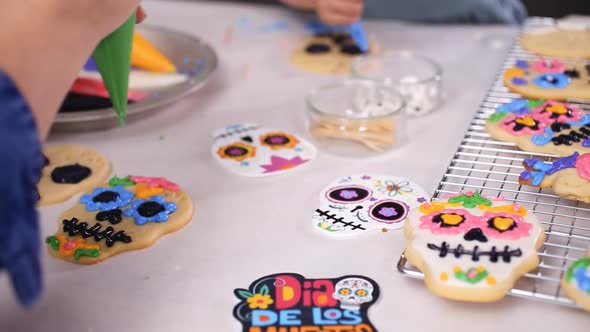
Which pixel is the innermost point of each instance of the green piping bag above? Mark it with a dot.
(113, 59)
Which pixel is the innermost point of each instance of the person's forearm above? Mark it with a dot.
(42, 68)
(300, 4)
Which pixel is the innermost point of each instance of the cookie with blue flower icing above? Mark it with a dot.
(549, 79)
(568, 176)
(69, 170)
(576, 282)
(126, 214)
(541, 126)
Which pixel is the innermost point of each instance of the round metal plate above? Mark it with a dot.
(191, 55)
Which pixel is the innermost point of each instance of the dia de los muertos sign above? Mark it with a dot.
(289, 302)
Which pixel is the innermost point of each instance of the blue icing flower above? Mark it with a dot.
(543, 139)
(522, 64)
(519, 81)
(106, 199)
(552, 81)
(582, 276)
(155, 209)
(518, 106)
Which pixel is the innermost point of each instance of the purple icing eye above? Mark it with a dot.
(236, 151)
(348, 194)
(389, 211)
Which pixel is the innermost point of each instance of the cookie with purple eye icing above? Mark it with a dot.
(541, 126)
(549, 79)
(126, 214)
(472, 248)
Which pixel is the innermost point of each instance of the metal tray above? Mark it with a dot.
(493, 167)
(192, 56)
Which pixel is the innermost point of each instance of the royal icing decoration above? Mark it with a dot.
(357, 204)
(472, 242)
(537, 170)
(250, 150)
(290, 302)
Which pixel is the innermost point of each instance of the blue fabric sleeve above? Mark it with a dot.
(459, 11)
(20, 152)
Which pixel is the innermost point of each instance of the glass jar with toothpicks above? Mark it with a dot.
(356, 118)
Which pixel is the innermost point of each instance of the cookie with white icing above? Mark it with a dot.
(549, 79)
(565, 40)
(541, 126)
(568, 176)
(126, 214)
(472, 248)
(576, 282)
(69, 170)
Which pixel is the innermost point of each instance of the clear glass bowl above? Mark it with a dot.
(417, 78)
(356, 118)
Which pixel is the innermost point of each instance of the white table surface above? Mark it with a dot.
(245, 228)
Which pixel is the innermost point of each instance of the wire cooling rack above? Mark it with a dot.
(493, 167)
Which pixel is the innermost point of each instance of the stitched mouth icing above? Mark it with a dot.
(476, 253)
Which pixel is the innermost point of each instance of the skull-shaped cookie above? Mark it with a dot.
(357, 204)
(249, 150)
(353, 292)
(472, 248)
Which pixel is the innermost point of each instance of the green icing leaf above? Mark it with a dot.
(264, 290)
(470, 202)
(53, 242)
(463, 276)
(126, 181)
(244, 293)
(86, 252)
(580, 263)
(534, 103)
(497, 116)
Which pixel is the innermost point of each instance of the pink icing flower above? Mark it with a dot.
(156, 182)
(70, 245)
(549, 66)
(449, 221)
(528, 124)
(552, 111)
(583, 166)
(278, 164)
(505, 226)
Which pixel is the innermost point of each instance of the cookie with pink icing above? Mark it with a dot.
(471, 247)
(568, 176)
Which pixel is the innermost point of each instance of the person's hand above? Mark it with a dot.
(339, 12)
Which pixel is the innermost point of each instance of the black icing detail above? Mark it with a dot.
(492, 226)
(475, 234)
(150, 209)
(113, 216)
(317, 48)
(247, 139)
(74, 227)
(572, 137)
(520, 126)
(559, 126)
(45, 161)
(475, 254)
(351, 49)
(439, 220)
(394, 211)
(349, 194)
(105, 197)
(550, 79)
(341, 39)
(70, 174)
(572, 73)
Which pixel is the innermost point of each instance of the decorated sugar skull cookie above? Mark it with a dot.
(250, 150)
(549, 79)
(472, 248)
(358, 204)
(576, 282)
(327, 53)
(126, 214)
(541, 126)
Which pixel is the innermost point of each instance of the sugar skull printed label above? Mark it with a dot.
(249, 150)
(290, 302)
(472, 247)
(356, 204)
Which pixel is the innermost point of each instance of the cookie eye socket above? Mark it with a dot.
(348, 194)
(361, 293)
(318, 48)
(344, 291)
(388, 211)
(235, 151)
(105, 197)
(276, 139)
(502, 224)
(449, 219)
(552, 81)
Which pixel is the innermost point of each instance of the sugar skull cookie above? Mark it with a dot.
(358, 204)
(549, 79)
(250, 150)
(68, 170)
(126, 214)
(576, 282)
(327, 53)
(472, 248)
(562, 40)
(541, 126)
(568, 176)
